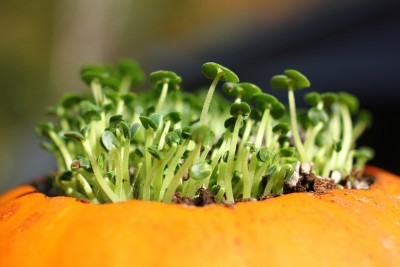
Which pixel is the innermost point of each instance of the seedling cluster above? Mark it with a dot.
(116, 145)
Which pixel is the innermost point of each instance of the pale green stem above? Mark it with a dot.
(258, 177)
(87, 188)
(295, 129)
(162, 98)
(108, 193)
(97, 92)
(118, 175)
(347, 135)
(349, 162)
(178, 176)
(310, 141)
(63, 150)
(125, 168)
(247, 179)
(159, 172)
(171, 169)
(268, 132)
(163, 134)
(146, 181)
(210, 93)
(247, 131)
(231, 157)
(358, 129)
(261, 129)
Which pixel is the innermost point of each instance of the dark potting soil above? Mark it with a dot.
(307, 183)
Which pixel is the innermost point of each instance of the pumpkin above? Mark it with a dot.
(340, 228)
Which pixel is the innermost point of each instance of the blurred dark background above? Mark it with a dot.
(342, 45)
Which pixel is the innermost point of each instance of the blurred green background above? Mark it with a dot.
(341, 45)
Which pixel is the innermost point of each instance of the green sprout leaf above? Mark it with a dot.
(109, 140)
(241, 108)
(148, 122)
(200, 171)
(312, 98)
(90, 73)
(350, 101)
(75, 135)
(280, 82)
(158, 78)
(211, 69)
(132, 69)
(264, 101)
(278, 110)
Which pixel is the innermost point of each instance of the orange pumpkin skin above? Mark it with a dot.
(340, 228)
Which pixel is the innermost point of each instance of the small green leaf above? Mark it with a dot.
(281, 128)
(135, 129)
(199, 133)
(292, 79)
(337, 146)
(287, 151)
(264, 101)
(75, 135)
(148, 122)
(172, 138)
(241, 90)
(263, 155)
(297, 79)
(108, 140)
(85, 130)
(215, 189)
(139, 152)
(316, 115)
(116, 119)
(200, 171)
(89, 110)
(350, 101)
(278, 110)
(157, 118)
(132, 69)
(329, 98)
(237, 176)
(69, 100)
(241, 108)
(313, 98)
(173, 116)
(90, 73)
(250, 147)
(43, 128)
(211, 69)
(186, 132)
(365, 153)
(159, 78)
(154, 152)
(125, 129)
(279, 82)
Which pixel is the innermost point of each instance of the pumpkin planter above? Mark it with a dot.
(339, 228)
(131, 153)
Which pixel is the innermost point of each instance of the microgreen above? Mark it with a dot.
(117, 145)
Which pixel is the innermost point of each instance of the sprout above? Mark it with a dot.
(215, 72)
(292, 80)
(117, 145)
(165, 80)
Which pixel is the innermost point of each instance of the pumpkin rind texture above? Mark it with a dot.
(339, 228)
